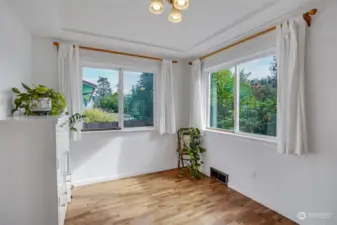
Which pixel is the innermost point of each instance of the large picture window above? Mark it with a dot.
(244, 98)
(116, 98)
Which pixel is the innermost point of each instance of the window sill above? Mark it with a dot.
(243, 136)
(120, 131)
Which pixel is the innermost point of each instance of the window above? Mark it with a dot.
(114, 99)
(244, 98)
(222, 99)
(138, 99)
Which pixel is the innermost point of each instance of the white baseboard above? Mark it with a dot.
(116, 177)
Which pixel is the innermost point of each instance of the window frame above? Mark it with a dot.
(236, 131)
(121, 69)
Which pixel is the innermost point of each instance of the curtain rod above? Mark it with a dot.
(56, 44)
(306, 17)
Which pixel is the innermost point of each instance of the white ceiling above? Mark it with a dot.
(127, 25)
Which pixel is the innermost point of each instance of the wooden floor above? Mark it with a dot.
(165, 198)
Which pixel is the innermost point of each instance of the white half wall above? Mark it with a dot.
(109, 155)
(15, 56)
(292, 184)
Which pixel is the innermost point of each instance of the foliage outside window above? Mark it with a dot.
(138, 99)
(105, 92)
(253, 85)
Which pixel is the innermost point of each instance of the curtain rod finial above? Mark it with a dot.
(313, 12)
(307, 16)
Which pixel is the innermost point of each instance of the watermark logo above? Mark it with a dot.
(301, 215)
(304, 215)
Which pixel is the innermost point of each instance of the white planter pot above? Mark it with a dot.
(40, 105)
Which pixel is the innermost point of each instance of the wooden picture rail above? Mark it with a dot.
(56, 44)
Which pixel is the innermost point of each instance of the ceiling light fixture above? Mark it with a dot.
(175, 16)
(156, 6)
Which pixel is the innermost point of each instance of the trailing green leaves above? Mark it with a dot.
(75, 119)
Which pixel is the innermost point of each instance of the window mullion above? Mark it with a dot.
(236, 100)
(208, 100)
(121, 99)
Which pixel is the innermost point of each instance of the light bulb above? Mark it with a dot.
(181, 4)
(175, 15)
(156, 6)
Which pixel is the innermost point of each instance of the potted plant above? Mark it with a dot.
(40, 100)
(194, 150)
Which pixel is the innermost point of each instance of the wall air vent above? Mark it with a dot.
(220, 176)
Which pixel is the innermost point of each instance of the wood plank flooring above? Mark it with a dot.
(165, 198)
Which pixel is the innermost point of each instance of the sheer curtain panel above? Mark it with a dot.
(70, 82)
(291, 121)
(165, 103)
(198, 96)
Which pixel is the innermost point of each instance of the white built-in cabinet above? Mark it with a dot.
(34, 170)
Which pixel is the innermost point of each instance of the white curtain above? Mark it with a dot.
(291, 118)
(70, 82)
(197, 93)
(165, 103)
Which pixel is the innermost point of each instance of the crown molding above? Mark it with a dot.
(140, 43)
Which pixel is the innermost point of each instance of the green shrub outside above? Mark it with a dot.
(97, 115)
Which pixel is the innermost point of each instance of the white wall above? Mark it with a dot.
(44, 62)
(290, 184)
(15, 56)
(116, 155)
(111, 155)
